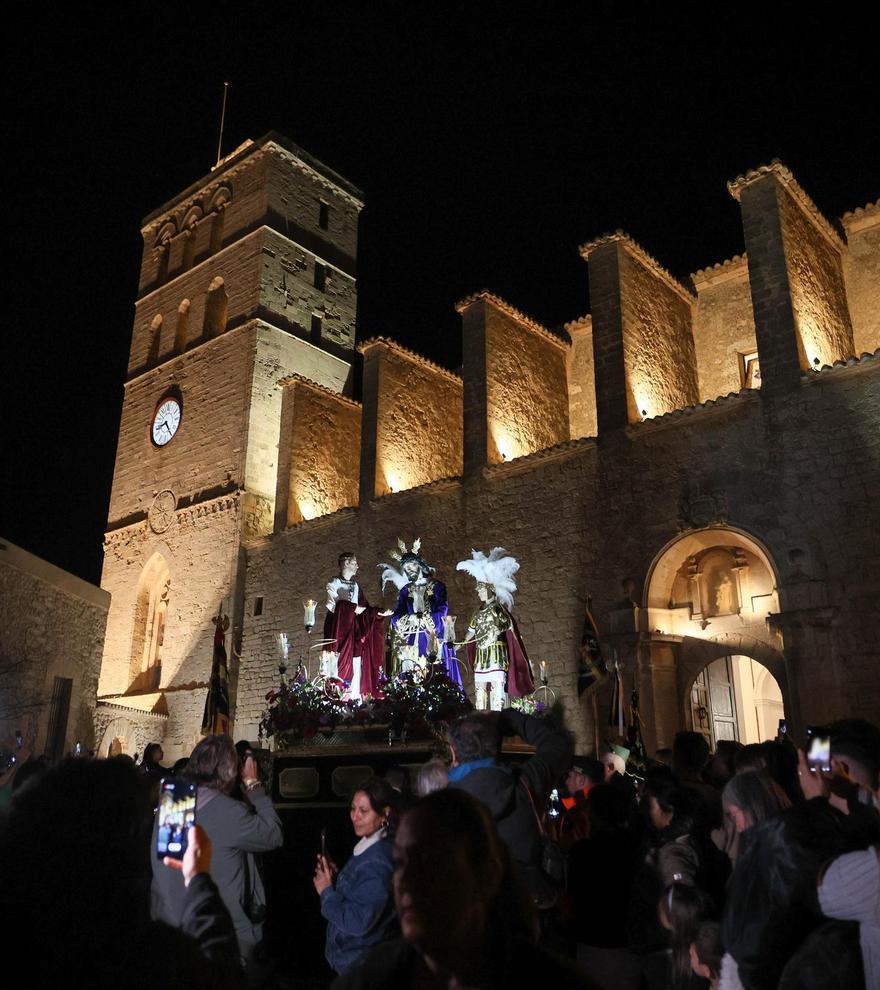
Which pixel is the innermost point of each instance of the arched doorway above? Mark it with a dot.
(120, 737)
(706, 646)
(736, 697)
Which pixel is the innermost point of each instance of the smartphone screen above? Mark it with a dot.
(819, 752)
(177, 812)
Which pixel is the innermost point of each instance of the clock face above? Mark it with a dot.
(166, 421)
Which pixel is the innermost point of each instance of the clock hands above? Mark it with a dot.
(167, 418)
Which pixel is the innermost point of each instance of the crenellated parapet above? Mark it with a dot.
(796, 277)
(515, 383)
(652, 347)
(318, 452)
(412, 420)
(643, 344)
(861, 269)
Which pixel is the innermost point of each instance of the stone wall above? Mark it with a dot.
(581, 379)
(213, 383)
(517, 373)
(658, 343)
(241, 187)
(776, 471)
(288, 289)
(643, 343)
(724, 327)
(415, 427)
(51, 625)
(200, 549)
(862, 272)
(815, 271)
(295, 191)
(238, 265)
(322, 436)
(527, 386)
(277, 354)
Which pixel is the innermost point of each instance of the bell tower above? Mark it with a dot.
(248, 276)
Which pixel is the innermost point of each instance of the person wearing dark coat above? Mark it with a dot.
(514, 796)
(238, 831)
(466, 919)
(772, 903)
(73, 857)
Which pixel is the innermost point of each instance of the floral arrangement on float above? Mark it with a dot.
(300, 709)
(530, 705)
(409, 704)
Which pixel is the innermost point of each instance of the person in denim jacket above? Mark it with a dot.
(357, 900)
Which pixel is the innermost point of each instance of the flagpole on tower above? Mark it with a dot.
(222, 122)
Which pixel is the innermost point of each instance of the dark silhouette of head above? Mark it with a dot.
(214, 763)
(475, 736)
(454, 886)
(690, 753)
(74, 860)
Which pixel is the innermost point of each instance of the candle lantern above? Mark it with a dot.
(448, 628)
(309, 606)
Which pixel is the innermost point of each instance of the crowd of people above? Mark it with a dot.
(743, 868)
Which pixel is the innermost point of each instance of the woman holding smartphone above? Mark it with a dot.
(357, 900)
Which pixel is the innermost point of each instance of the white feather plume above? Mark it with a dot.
(496, 569)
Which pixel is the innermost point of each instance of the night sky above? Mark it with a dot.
(489, 145)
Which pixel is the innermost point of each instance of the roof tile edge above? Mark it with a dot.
(297, 379)
(786, 177)
(635, 249)
(405, 352)
(505, 307)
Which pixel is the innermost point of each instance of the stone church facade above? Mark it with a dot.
(702, 460)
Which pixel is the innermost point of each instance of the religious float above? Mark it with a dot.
(364, 698)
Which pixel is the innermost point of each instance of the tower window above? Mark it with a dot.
(317, 323)
(258, 605)
(216, 305)
(324, 215)
(189, 249)
(151, 610)
(320, 276)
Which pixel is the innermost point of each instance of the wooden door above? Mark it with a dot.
(701, 706)
(722, 703)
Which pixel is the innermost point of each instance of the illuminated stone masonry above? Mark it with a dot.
(699, 458)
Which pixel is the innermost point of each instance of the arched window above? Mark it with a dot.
(151, 611)
(181, 334)
(190, 233)
(155, 340)
(215, 308)
(189, 250)
(217, 230)
(219, 201)
(163, 251)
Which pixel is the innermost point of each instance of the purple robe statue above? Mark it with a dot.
(421, 608)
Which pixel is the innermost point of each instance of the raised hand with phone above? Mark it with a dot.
(196, 859)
